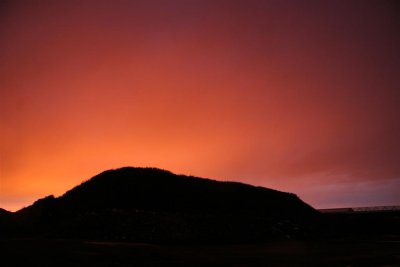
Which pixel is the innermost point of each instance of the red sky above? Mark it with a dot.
(300, 96)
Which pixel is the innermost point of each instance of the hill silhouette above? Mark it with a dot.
(153, 205)
(5, 222)
(4, 212)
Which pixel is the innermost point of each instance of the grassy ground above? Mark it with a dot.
(382, 251)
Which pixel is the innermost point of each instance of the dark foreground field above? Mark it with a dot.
(382, 251)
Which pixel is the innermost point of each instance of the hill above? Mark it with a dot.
(4, 212)
(5, 222)
(153, 205)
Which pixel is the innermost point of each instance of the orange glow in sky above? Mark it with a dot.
(296, 96)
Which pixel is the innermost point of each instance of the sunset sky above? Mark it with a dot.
(299, 96)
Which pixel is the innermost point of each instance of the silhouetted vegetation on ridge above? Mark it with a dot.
(4, 212)
(153, 205)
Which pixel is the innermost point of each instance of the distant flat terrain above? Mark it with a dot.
(380, 251)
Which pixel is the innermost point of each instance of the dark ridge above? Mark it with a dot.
(154, 205)
(5, 222)
(4, 212)
(155, 189)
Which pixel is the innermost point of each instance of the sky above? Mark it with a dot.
(299, 96)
